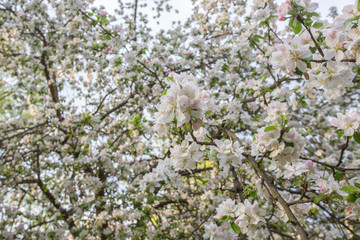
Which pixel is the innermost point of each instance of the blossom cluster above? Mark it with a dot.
(291, 55)
(348, 122)
(248, 216)
(214, 232)
(330, 69)
(161, 173)
(186, 155)
(283, 144)
(185, 101)
(229, 154)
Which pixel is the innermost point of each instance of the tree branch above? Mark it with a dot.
(303, 234)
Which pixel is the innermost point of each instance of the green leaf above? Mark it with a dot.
(351, 198)
(348, 21)
(313, 210)
(319, 197)
(340, 134)
(269, 128)
(357, 137)
(338, 176)
(259, 36)
(235, 227)
(297, 28)
(357, 185)
(318, 25)
(291, 21)
(312, 14)
(298, 72)
(297, 182)
(294, 22)
(137, 119)
(350, 189)
(338, 196)
(224, 218)
(358, 5)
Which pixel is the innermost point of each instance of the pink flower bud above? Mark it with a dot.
(281, 18)
(102, 13)
(309, 164)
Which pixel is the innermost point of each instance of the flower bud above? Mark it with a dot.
(309, 164)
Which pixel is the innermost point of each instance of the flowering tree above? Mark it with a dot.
(242, 123)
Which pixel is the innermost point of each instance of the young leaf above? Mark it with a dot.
(340, 134)
(297, 28)
(319, 197)
(348, 21)
(351, 198)
(235, 227)
(350, 189)
(269, 128)
(338, 176)
(318, 25)
(224, 218)
(357, 137)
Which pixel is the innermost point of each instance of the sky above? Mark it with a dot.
(185, 6)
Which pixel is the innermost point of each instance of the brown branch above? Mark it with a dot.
(311, 35)
(343, 148)
(323, 60)
(135, 15)
(40, 224)
(276, 195)
(52, 85)
(52, 200)
(162, 204)
(277, 36)
(101, 26)
(199, 142)
(116, 107)
(330, 166)
(204, 220)
(300, 200)
(27, 131)
(99, 196)
(102, 101)
(64, 213)
(187, 173)
(333, 218)
(237, 185)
